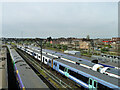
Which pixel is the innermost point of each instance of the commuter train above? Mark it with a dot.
(72, 58)
(113, 72)
(87, 78)
(105, 69)
(26, 77)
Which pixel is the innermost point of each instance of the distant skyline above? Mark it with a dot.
(64, 19)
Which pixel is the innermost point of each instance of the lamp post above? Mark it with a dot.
(39, 42)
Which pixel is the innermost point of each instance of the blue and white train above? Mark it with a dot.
(85, 77)
(113, 72)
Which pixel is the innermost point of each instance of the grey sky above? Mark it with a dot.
(60, 19)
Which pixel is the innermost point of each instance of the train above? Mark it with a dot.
(104, 69)
(25, 76)
(72, 58)
(87, 78)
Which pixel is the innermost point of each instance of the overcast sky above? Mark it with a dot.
(67, 19)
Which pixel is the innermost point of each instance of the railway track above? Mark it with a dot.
(50, 79)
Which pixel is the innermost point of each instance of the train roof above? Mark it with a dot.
(93, 74)
(78, 60)
(27, 75)
(51, 57)
(87, 63)
(65, 55)
(113, 70)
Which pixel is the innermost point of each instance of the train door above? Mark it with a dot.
(92, 84)
(66, 72)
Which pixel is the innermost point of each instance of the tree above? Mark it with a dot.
(54, 46)
(88, 37)
(65, 47)
(59, 46)
(49, 39)
(104, 50)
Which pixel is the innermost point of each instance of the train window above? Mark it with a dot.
(90, 82)
(102, 87)
(61, 67)
(39, 56)
(81, 77)
(95, 83)
(114, 56)
(65, 70)
(72, 73)
(78, 76)
(49, 61)
(55, 64)
(46, 60)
